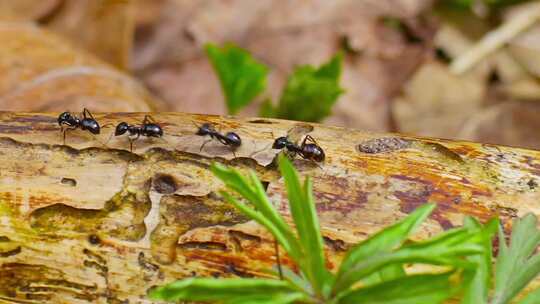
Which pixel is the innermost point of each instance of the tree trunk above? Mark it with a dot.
(92, 222)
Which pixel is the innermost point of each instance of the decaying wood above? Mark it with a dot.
(91, 222)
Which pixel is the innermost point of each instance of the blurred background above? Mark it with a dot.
(459, 69)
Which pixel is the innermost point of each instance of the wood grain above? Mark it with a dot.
(91, 222)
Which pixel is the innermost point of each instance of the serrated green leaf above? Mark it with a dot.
(414, 289)
(311, 92)
(242, 77)
(307, 225)
(331, 69)
(225, 290)
(514, 267)
(531, 298)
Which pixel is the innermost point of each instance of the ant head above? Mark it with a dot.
(205, 129)
(91, 125)
(63, 117)
(121, 128)
(234, 139)
(280, 143)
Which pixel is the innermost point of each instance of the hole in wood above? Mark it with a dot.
(165, 184)
(69, 181)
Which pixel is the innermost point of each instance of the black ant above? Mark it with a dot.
(310, 151)
(230, 139)
(73, 122)
(148, 128)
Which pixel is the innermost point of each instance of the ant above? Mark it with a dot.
(230, 139)
(73, 122)
(148, 128)
(310, 151)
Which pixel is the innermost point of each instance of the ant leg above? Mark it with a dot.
(85, 111)
(131, 142)
(204, 143)
(233, 152)
(310, 138)
(278, 259)
(64, 131)
(317, 164)
(161, 138)
(148, 118)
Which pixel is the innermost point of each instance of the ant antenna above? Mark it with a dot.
(195, 124)
(204, 144)
(99, 141)
(265, 147)
(259, 151)
(107, 124)
(110, 137)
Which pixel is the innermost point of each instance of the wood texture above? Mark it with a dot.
(91, 222)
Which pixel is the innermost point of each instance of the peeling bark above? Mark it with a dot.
(92, 222)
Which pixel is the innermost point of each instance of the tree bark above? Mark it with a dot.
(92, 222)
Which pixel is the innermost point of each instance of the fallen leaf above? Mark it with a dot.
(40, 71)
(104, 27)
(436, 102)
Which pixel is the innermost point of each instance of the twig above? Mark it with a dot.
(496, 39)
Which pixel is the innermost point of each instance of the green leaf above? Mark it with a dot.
(531, 298)
(307, 225)
(311, 92)
(385, 240)
(226, 290)
(448, 248)
(414, 289)
(479, 280)
(387, 273)
(280, 298)
(392, 272)
(242, 77)
(515, 267)
(265, 214)
(294, 279)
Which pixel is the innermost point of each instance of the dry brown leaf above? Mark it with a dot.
(284, 34)
(104, 27)
(436, 102)
(526, 50)
(510, 123)
(27, 10)
(41, 71)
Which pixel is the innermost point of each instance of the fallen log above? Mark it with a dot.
(93, 222)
